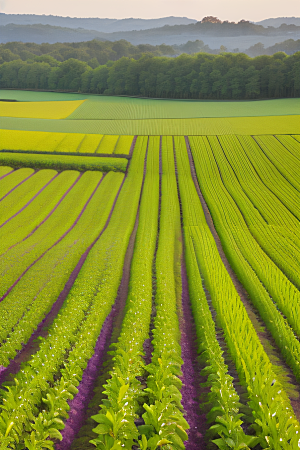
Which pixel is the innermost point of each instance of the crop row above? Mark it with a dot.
(263, 211)
(12, 179)
(274, 420)
(224, 415)
(63, 162)
(295, 136)
(23, 193)
(4, 171)
(123, 390)
(270, 175)
(282, 159)
(259, 275)
(40, 141)
(164, 421)
(34, 406)
(38, 211)
(159, 403)
(291, 143)
(40, 266)
(277, 238)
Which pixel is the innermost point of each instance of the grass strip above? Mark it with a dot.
(63, 162)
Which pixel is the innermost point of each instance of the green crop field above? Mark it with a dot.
(135, 116)
(97, 107)
(36, 141)
(150, 276)
(122, 108)
(154, 127)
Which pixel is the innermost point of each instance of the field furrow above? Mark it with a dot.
(173, 290)
(240, 334)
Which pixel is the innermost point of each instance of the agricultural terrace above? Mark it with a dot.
(150, 287)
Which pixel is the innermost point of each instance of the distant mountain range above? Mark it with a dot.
(102, 25)
(168, 30)
(115, 25)
(276, 22)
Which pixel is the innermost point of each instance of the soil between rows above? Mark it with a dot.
(109, 333)
(191, 391)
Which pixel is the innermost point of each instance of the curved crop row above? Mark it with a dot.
(18, 199)
(4, 171)
(34, 407)
(32, 297)
(14, 179)
(262, 197)
(292, 145)
(277, 225)
(224, 416)
(285, 162)
(274, 420)
(283, 243)
(14, 262)
(270, 175)
(123, 388)
(25, 223)
(254, 269)
(277, 242)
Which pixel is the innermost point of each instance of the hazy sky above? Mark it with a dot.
(233, 10)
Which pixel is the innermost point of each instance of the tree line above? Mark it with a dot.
(290, 46)
(198, 76)
(94, 52)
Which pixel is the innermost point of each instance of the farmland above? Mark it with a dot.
(137, 116)
(150, 284)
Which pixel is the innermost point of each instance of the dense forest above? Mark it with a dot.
(199, 76)
(96, 52)
(93, 52)
(289, 47)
